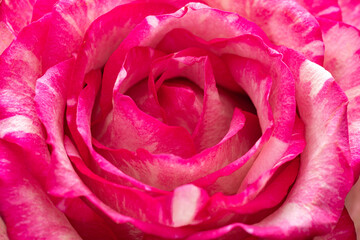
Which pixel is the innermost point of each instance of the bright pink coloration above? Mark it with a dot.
(352, 204)
(11, 22)
(329, 9)
(156, 119)
(285, 23)
(345, 68)
(350, 11)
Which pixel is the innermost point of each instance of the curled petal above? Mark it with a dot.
(342, 59)
(285, 23)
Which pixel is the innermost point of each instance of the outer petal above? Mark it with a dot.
(344, 229)
(329, 9)
(342, 59)
(20, 66)
(16, 14)
(25, 207)
(6, 36)
(285, 22)
(3, 233)
(50, 101)
(42, 7)
(350, 11)
(306, 211)
(353, 206)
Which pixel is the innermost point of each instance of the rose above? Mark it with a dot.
(248, 180)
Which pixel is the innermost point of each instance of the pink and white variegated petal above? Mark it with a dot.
(16, 14)
(328, 9)
(81, 130)
(7, 36)
(50, 101)
(153, 215)
(305, 211)
(342, 52)
(75, 18)
(344, 229)
(20, 67)
(342, 60)
(350, 11)
(24, 206)
(106, 33)
(223, 24)
(285, 23)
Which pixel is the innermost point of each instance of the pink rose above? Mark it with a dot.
(177, 120)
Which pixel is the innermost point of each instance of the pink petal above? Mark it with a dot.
(80, 129)
(42, 7)
(3, 233)
(322, 8)
(20, 67)
(50, 101)
(305, 211)
(352, 204)
(342, 59)
(122, 204)
(26, 209)
(344, 229)
(350, 11)
(285, 23)
(16, 14)
(158, 26)
(6, 36)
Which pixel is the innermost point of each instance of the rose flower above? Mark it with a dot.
(178, 120)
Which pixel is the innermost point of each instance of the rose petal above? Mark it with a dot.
(81, 131)
(344, 229)
(7, 36)
(88, 224)
(284, 22)
(342, 59)
(16, 14)
(326, 146)
(329, 9)
(42, 7)
(350, 11)
(25, 207)
(20, 67)
(50, 101)
(3, 233)
(352, 204)
(183, 18)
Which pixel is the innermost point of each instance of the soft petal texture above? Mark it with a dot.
(20, 66)
(3, 233)
(329, 9)
(11, 22)
(342, 59)
(25, 207)
(169, 186)
(6, 36)
(344, 229)
(350, 11)
(50, 103)
(285, 23)
(353, 206)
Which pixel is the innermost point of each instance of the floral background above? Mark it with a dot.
(233, 119)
